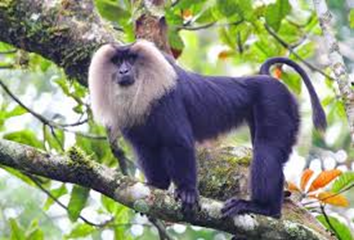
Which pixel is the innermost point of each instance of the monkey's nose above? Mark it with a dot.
(123, 71)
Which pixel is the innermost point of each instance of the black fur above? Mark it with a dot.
(202, 107)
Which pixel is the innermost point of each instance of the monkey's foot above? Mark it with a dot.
(236, 206)
(189, 199)
(233, 207)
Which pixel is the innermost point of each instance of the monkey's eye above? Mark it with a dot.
(131, 58)
(116, 60)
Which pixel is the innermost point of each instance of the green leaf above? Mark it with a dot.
(99, 150)
(110, 205)
(78, 109)
(305, 50)
(26, 137)
(226, 37)
(19, 175)
(78, 199)
(185, 4)
(17, 111)
(63, 84)
(276, 12)
(34, 232)
(111, 10)
(207, 16)
(293, 81)
(343, 181)
(55, 138)
(290, 33)
(17, 232)
(341, 229)
(236, 9)
(173, 18)
(175, 40)
(57, 193)
(351, 18)
(243, 30)
(81, 230)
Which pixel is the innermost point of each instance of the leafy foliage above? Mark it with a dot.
(309, 189)
(276, 12)
(344, 181)
(78, 199)
(324, 178)
(341, 229)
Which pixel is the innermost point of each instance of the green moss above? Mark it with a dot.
(78, 156)
(294, 231)
(141, 206)
(223, 172)
(5, 3)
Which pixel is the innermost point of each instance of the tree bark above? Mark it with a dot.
(65, 32)
(345, 84)
(151, 24)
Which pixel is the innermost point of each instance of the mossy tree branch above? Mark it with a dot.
(65, 32)
(78, 169)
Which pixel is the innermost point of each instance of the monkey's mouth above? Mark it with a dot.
(125, 81)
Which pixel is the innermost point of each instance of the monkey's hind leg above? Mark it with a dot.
(267, 181)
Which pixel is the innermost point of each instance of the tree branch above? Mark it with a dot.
(78, 169)
(345, 84)
(65, 33)
(291, 49)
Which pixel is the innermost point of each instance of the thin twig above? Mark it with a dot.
(49, 122)
(329, 222)
(196, 28)
(38, 116)
(49, 194)
(86, 135)
(78, 123)
(291, 49)
(10, 66)
(8, 52)
(208, 25)
(52, 131)
(175, 3)
(161, 228)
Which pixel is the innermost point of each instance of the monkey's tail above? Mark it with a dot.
(318, 115)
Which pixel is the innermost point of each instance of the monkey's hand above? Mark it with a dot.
(189, 199)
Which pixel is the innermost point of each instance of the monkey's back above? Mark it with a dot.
(214, 105)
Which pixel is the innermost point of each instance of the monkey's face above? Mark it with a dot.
(124, 60)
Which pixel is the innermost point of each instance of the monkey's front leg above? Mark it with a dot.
(183, 171)
(117, 151)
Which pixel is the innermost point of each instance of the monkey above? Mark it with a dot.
(163, 110)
